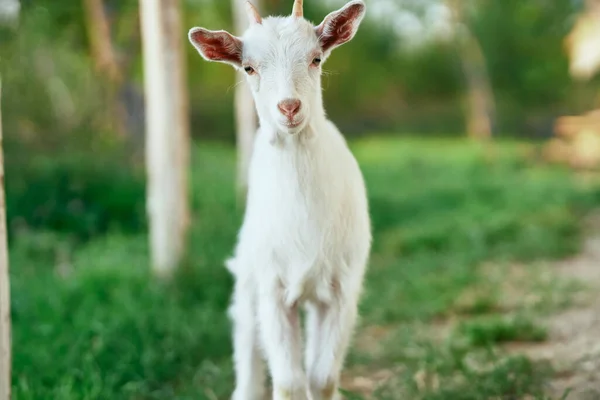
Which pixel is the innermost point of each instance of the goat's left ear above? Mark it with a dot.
(217, 46)
(340, 26)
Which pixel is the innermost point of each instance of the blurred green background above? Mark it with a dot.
(90, 321)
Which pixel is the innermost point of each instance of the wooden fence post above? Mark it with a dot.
(5, 329)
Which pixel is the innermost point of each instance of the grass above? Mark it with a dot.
(91, 323)
(498, 329)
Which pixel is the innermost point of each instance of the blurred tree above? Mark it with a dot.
(523, 44)
(167, 135)
(105, 61)
(101, 48)
(5, 329)
(480, 109)
(245, 113)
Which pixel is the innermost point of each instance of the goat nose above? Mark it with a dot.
(289, 107)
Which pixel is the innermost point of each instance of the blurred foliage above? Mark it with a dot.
(54, 101)
(75, 195)
(379, 81)
(523, 46)
(63, 171)
(523, 43)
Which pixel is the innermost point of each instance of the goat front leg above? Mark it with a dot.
(331, 330)
(282, 342)
(249, 369)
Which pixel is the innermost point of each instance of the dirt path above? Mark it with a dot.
(573, 346)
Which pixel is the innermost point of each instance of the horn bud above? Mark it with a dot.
(297, 10)
(253, 15)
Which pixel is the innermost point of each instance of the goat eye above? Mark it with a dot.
(249, 70)
(316, 61)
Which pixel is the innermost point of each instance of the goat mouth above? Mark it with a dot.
(292, 124)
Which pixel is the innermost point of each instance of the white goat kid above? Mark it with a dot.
(306, 234)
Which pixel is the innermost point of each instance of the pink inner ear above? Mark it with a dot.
(219, 46)
(338, 29)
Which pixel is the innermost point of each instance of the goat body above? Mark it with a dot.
(305, 240)
(306, 228)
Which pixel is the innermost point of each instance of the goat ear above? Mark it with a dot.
(217, 46)
(340, 26)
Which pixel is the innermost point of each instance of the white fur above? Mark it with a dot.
(306, 235)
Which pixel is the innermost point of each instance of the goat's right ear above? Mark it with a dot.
(217, 46)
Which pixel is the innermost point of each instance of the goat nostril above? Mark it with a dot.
(289, 107)
(296, 107)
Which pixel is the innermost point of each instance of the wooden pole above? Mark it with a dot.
(167, 131)
(5, 330)
(245, 114)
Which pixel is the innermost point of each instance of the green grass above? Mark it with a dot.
(490, 330)
(91, 323)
